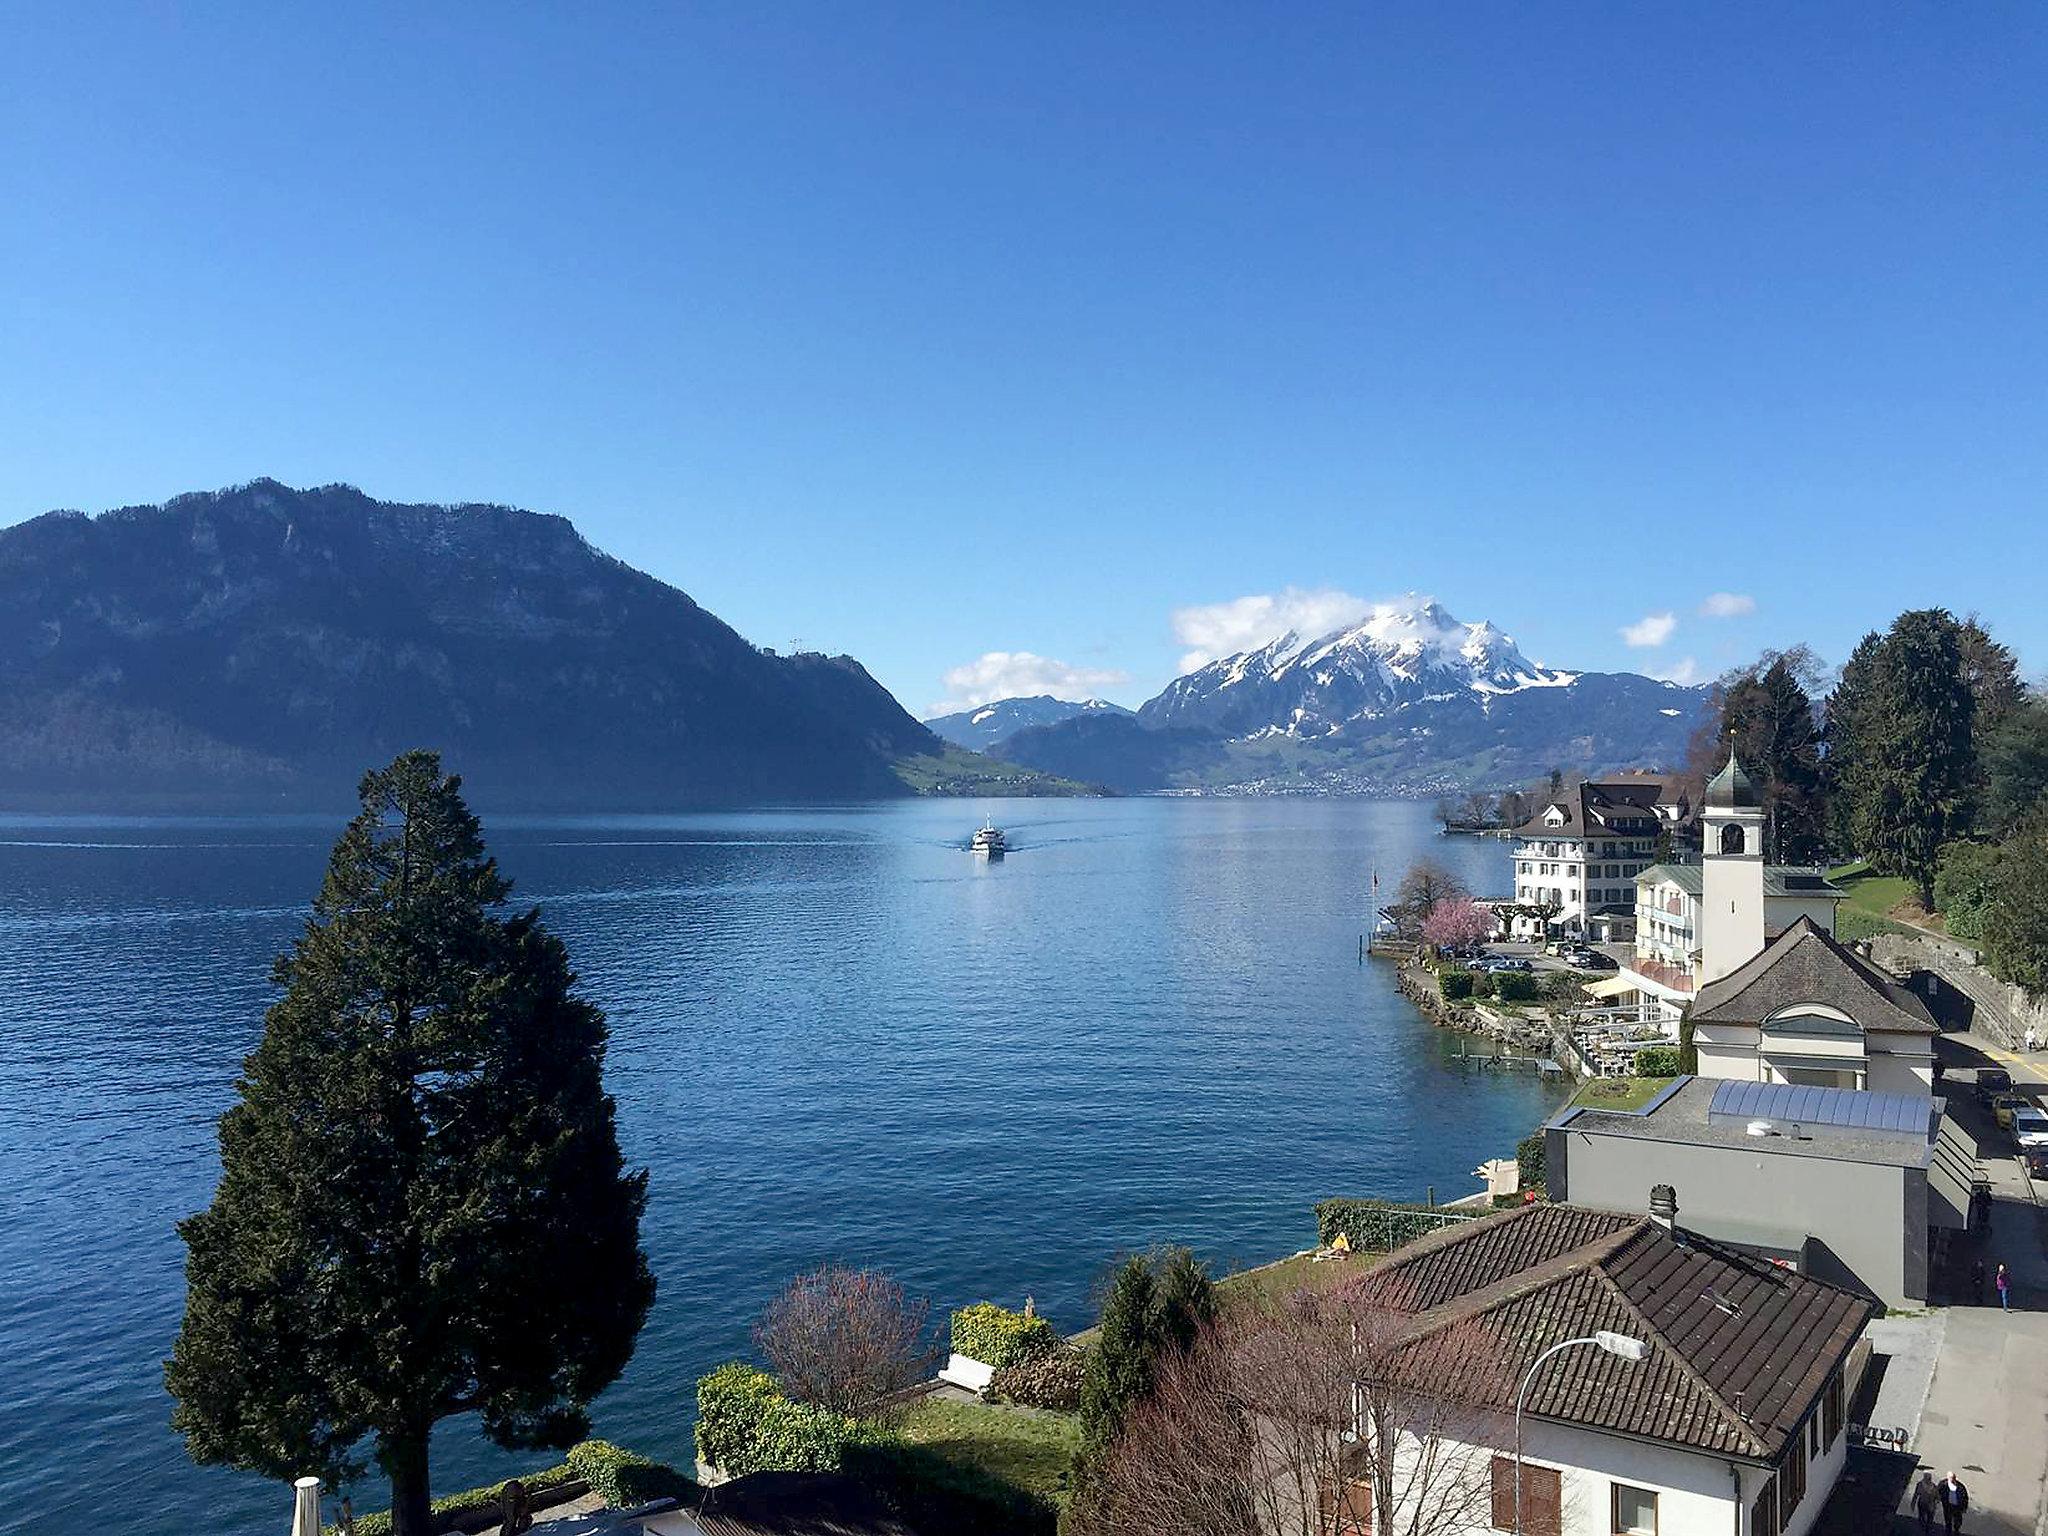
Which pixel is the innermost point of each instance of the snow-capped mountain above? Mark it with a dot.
(988, 727)
(1407, 701)
(1401, 654)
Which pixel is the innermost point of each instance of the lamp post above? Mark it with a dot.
(1614, 1343)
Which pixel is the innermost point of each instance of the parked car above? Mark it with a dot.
(1590, 960)
(2005, 1106)
(2030, 1127)
(1991, 1082)
(2036, 1159)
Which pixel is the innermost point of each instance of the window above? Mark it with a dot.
(1542, 1498)
(1347, 1509)
(1831, 1413)
(1635, 1511)
(1731, 839)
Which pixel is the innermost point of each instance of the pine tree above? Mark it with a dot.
(1186, 1300)
(423, 1210)
(1917, 770)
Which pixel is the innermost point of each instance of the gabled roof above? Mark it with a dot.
(1739, 1350)
(1805, 965)
(1603, 805)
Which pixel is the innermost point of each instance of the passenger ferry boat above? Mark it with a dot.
(989, 842)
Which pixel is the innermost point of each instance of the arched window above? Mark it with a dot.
(1731, 838)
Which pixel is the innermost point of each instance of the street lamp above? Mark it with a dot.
(1614, 1343)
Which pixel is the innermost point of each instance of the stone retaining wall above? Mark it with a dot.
(2003, 1011)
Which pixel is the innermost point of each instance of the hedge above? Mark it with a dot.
(1457, 985)
(1531, 1155)
(1375, 1224)
(999, 1337)
(1051, 1380)
(472, 1500)
(624, 1478)
(1516, 987)
(745, 1424)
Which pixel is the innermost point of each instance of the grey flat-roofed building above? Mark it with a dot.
(1859, 1188)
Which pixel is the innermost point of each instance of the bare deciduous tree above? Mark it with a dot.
(845, 1339)
(1426, 883)
(1324, 1417)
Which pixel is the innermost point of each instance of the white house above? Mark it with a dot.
(1715, 1407)
(1580, 853)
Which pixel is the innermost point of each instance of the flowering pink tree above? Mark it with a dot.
(1455, 922)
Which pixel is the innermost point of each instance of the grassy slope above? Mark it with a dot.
(1270, 1284)
(1873, 898)
(1033, 1451)
(959, 772)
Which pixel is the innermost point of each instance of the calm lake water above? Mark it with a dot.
(835, 1035)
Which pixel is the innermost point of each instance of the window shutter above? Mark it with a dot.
(1542, 1498)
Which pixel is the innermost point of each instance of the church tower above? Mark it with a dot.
(1731, 873)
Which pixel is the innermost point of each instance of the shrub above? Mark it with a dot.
(447, 1511)
(623, 1478)
(1050, 1380)
(997, 1336)
(745, 1424)
(1657, 1061)
(1530, 1158)
(1376, 1224)
(1963, 877)
(1516, 987)
(845, 1339)
(1457, 985)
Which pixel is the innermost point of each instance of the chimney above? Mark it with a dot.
(1663, 1205)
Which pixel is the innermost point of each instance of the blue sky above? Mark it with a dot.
(924, 333)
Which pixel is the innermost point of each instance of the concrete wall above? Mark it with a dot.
(1869, 1226)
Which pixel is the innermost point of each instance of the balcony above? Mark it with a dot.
(1677, 978)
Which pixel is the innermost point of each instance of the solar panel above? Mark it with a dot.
(1851, 1108)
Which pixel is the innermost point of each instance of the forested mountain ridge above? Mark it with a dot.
(263, 645)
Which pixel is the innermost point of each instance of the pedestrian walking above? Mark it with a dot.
(1926, 1500)
(1976, 1295)
(2004, 1284)
(1955, 1503)
(2033, 1040)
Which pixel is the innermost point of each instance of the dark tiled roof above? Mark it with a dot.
(1805, 965)
(1739, 1349)
(795, 1504)
(1599, 805)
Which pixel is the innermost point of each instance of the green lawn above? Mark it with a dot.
(1025, 1449)
(1871, 899)
(1618, 1092)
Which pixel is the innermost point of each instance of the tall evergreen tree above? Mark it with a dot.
(422, 1210)
(1844, 737)
(1992, 673)
(1186, 1300)
(2015, 761)
(2016, 913)
(1916, 770)
(1770, 716)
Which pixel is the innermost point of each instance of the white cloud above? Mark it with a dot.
(1019, 674)
(1210, 630)
(1686, 671)
(1650, 629)
(1727, 605)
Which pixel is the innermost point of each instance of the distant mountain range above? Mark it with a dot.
(265, 645)
(988, 727)
(1411, 701)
